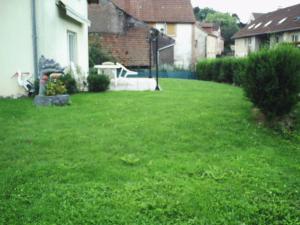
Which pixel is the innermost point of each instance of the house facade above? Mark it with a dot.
(209, 42)
(175, 20)
(124, 37)
(56, 29)
(269, 29)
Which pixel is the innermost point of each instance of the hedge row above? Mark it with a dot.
(272, 80)
(226, 70)
(270, 77)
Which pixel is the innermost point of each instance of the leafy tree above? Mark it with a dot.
(240, 23)
(98, 55)
(201, 14)
(229, 26)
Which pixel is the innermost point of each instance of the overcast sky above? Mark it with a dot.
(244, 8)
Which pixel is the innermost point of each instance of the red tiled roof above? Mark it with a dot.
(270, 22)
(172, 11)
(130, 49)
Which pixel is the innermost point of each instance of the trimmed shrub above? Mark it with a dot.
(226, 70)
(239, 71)
(272, 80)
(69, 82)
(204, 71)
(98, 82)
(216, 66)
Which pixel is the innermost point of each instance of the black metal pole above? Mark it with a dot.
(156, 61)
(150, 57)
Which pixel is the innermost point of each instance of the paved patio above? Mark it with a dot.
(134, 84)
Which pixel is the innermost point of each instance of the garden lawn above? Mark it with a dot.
(191, 154)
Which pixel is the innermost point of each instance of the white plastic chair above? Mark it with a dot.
(114, 67)
(127, 71)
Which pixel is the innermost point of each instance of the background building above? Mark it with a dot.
(175, 20)
(124, 37)
(269, 29)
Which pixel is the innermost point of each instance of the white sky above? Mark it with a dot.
(244, 8)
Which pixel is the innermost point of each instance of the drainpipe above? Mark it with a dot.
(34, 39)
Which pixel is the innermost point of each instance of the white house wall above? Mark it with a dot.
(212, 47)
(200, 44)
(241, 47)
(53, 28)
(184, 45)
(15, 43)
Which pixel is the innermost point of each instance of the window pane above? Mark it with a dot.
(72, 39)
(171, 29)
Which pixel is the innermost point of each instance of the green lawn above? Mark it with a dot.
(190, 154)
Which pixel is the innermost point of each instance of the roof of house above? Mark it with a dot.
(256, 15)
(286, 19)
(172, 11)
(131, 49)
(208, 28)
(131, 46)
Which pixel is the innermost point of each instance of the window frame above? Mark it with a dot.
(295, 38)
(175, 29)
(72, 57)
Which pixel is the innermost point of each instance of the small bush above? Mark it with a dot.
(272, 80)
(97, 82)
(69, 82)
(55, 87)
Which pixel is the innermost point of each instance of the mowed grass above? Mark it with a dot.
(191, 154)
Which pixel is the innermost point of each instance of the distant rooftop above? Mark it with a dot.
(286, 19)
(256, 15)
(171, 11)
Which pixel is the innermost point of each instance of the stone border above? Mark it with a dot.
(58, 100)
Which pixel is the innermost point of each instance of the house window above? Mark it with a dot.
(250, 41)
(72, 45)
(171, 29)
(295, 38)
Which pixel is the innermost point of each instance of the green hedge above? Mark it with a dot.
(270, 77)
(272, 80)
(226, 70)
